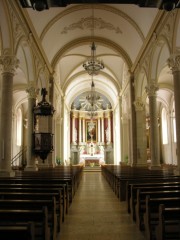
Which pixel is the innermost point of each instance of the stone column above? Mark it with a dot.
(151, 90)
(99, 131)
(125, 138)
(102, 130)
(174, 64)
(51, 121)
(73, 129)
(8, 66)
(62, 130)
(141, 132)
(109, 127)
(80, 135)
(32, 93)
(133, 159)
(120, 128)
(84, 131)
(57, 136)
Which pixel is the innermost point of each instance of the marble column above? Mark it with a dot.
(8, 66)
(141, 132)
(133, 159)
(31, 161)
(174, 64)
(151, 90)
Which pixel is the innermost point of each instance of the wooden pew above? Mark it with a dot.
(18, 217)
(37, 196)
(169, 223)
(40, 180)
(151, 215)
(144, 188)
(34, 189)
(131, 189)
(24, 232)
(43, 187)
(27, 204)
(118, 176)
(141, 206)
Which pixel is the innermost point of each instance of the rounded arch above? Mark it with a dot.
(176, 39)
(159, 56)
(141, 83)
(81, 84)
(84, 75)
(25, 54)
(87, 40)
(95, 6)
(5, 26)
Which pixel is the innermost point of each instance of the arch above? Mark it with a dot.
(141, 82)
(176, 39)
(24, 52)
(159, 57)
(95, 6)
(86, 40)
(5, 26)
(80, 84)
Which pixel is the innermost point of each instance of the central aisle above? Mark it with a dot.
(97, 214)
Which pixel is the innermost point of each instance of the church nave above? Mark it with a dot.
(96, 213)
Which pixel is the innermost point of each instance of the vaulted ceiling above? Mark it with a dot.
(65, 34)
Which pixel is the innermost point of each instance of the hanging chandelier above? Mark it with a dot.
(92, 97)
(93, 65)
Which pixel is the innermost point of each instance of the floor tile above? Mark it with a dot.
(97, 214)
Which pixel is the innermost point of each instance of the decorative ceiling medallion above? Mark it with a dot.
(89, 23)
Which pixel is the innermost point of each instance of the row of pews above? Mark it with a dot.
(33, 205)
(152, 198)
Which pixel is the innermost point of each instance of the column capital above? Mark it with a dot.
(8, 63)
(32, 92)
(151, 89)
(139, 105)
(174, 62)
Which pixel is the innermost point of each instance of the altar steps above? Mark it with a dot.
(92, 169)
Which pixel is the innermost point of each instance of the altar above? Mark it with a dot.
(87, 159)
(92, 160)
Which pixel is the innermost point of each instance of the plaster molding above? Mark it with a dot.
(91, 23)
(9, 63)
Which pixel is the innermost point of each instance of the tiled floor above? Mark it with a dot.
(97, 214)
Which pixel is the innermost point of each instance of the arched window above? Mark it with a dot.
(164, 126)
(19, 128)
